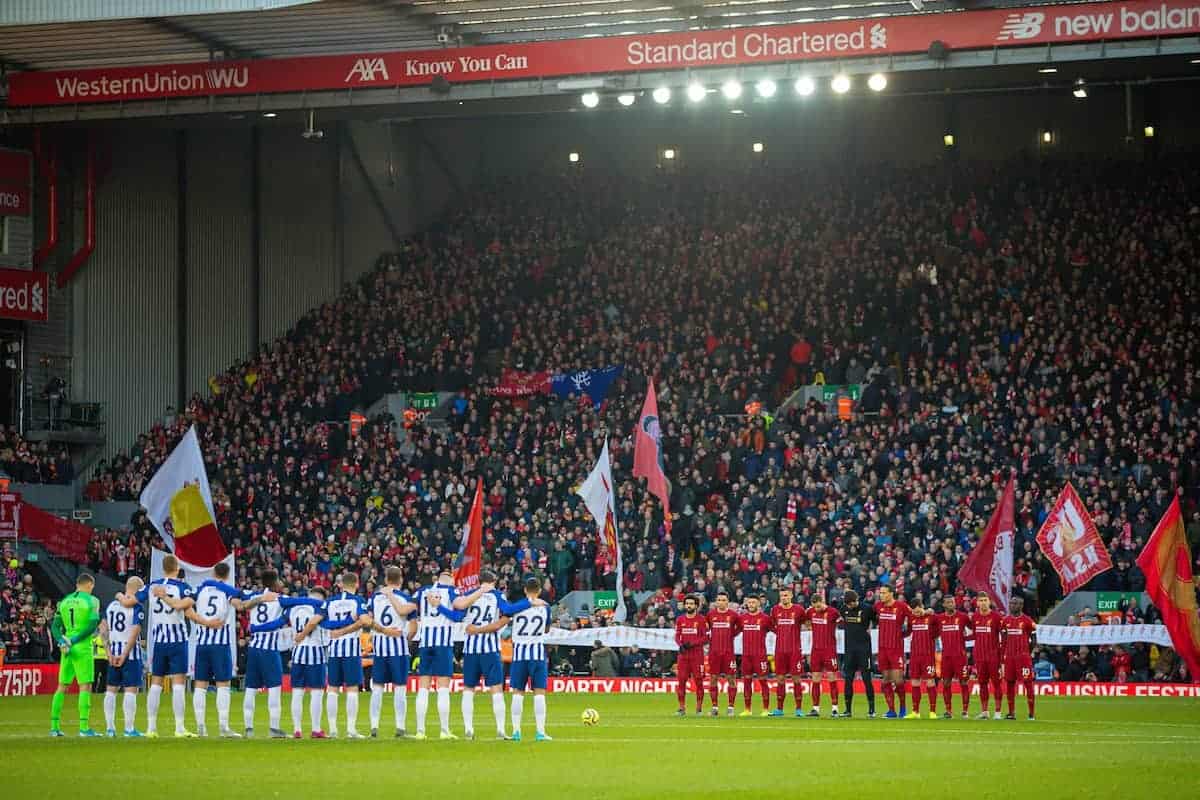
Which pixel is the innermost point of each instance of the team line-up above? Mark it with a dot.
(1001, 646)
(326, 652)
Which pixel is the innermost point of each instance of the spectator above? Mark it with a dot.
(604, 662)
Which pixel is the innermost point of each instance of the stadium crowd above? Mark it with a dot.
(1030, 317)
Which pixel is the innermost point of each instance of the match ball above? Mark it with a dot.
(590, 716)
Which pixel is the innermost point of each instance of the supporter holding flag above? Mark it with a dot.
(1167, 562)
(179, 504)
(648, 459)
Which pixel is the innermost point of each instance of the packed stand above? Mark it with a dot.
(33, 462)
(1036, 318)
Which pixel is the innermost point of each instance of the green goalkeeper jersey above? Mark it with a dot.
(77, 618)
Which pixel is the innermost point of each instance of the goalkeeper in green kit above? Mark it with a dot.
(75, 622)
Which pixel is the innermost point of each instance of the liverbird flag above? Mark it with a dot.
(1167, 563)
(989, 567)
(179, 504)
(648, 454)
(1071, 543)
(598, 496)
(470, 547)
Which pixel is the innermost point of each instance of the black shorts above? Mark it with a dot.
(856, 660)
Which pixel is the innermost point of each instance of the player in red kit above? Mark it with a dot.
(723, 628)
(1016, 629)
(986, 623)
(822, 661)
(787, 617)
(952, 630)
(691, 634)
(891, 615)
(922, 672)
(755, 626)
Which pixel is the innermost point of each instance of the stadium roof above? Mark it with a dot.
(67, 34)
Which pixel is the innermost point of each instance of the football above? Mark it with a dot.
(590, 716)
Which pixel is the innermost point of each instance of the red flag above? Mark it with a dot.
(648, 454)
(470, 549)
(1070, 541)
(989, 567)
(1167, 562)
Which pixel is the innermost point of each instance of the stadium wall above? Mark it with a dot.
(211, 241)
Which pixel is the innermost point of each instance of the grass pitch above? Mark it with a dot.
(1079, 747)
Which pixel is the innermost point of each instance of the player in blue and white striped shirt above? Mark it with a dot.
(437, 646)
(345, 614)
(310, 653)
(264, 664)
(122, 629)
(529, 668)
(394, 619)
(481, 650)
(168, 598)
(214, 613)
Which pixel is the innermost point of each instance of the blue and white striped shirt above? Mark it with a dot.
(121, 622)
(267, 620)
(385, 616)
(437, 630)
(529, 629)
(167, 625)
(313, 649)
(212, 602)
(342, 610)
(484, 611)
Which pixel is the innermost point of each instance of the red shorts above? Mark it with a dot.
(722, 664)
(987, 670)
(953, 668)
(1018, 669)
(823, 662)
(755, 666)
(788, 663)
(889, 661)
(920, 668)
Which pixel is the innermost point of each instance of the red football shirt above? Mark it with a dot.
(924, 631)
(891, 625)
(952, 628)
(987, 636)
(691, 630)
(723, 626)
(787, 623)
(824, 629)
(754, 633)
(1017, 631)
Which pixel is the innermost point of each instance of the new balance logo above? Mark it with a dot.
(367, 70)
(1021, 26)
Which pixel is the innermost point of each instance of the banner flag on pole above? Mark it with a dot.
(470, 548)
(1071, 542)
(599, 497)
(1167, 563)
(179, 504)
(989, 566)
(648, 460)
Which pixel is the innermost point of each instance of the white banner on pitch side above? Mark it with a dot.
(664, 638)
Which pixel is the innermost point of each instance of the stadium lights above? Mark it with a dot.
(669, 154)
(736, 111)
(1080, 90)
(948, 140)
(1148, 131)
(805, 86)
(877, 82)
(840, 83)
(1047, 137)
(626, 99)
(270, 114)
(765, 88)
(590, 99)
(662, 95)
(696, 92)
(573, 158)
(1048, 70)
(757, 147)
(731, 89)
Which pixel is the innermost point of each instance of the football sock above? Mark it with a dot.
(400, 706)
(443, 706)
(1029, 696)
(468, 709)
(331, 710)
(498, 711)
(1012, 696)
(200, 705)
(152, 701)
(816, 693)
(351, 711)
(179, 704)
(110, 711)
(518, 705)
(376, 710)
(130, 710)
(298, 710)
(931, 690)
(85, 710)
(56, 705)
(889, 695)
(539, 712)
(916, 697)
(248, 702)
(422, 708)
(316, 701)
(224, 700)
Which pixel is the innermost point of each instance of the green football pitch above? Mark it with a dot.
(1111, 747)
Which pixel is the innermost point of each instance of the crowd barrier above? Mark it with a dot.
(22, 680)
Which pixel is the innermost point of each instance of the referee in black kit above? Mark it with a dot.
(856, 621)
